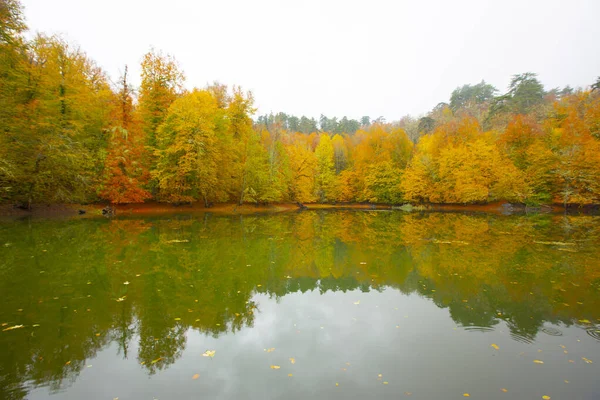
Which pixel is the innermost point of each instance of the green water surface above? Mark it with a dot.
(313, 304)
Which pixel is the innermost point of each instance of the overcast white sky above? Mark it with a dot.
(354, 58)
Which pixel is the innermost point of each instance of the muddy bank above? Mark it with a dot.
(154, 208)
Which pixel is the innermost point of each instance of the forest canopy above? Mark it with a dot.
(69, 134)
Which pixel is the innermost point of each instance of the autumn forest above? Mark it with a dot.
(69, 134)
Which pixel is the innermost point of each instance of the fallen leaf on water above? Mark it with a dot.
(347, 363)
(275, 367)
(126, 283)
(538, 361)
(68, 362)
(546, 397)
(292, 360)
(495, 346)
(258, 285)
(270, 350)
(177, 241)
(407, 393)
(357, 302)
(177, 319)
(587, 360)
(155, 361)
(196, 376)
(562, 346)
(290, 375)
(572, 361)
(337, 384)
(13, 327)
(209, 353)
(566, 381)
(504, 390)
(585, 321)
(385, 383)
(555, 243)
(121, 299)
(466, 395)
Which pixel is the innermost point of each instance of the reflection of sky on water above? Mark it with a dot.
(413, 344)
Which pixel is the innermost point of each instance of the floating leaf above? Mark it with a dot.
(357, 302)
(504, 390)
(337, 384)
(13, 327)
(121, 299)
(209, 353)
(495, 346)
(587, 360)
(292, 360)
(275, 367)
(546, 397)
(538, 361)
(555, 243)
(290, 375)
(155, 361)
(585, 321)
(466, 395)
(270, 350)
(126, 283)
(385, 383)
(177, 319)
(196, 376)
(177, 241)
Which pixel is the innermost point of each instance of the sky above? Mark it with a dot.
(338, 58)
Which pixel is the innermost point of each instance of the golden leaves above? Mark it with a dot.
(495, 346)
(587, 360)
(357, 302)
(155, 361)
(545, 397)
(209, 353)
(275, 367)
(538, 361)
(292, 360)
(177, 241)
(270, 350)
(466, 395)
(196, 376)
(504, 390)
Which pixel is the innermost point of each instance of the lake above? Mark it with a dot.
(312, 304)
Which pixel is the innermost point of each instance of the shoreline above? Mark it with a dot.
(155, 208)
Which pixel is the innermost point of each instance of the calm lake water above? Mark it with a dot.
(314, 304)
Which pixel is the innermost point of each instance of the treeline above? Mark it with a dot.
(70, 135)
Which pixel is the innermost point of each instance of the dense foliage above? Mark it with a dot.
(69, 135)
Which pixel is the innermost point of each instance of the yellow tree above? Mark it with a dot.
(187, 150)
(325, 179)
(303, 164)
(578, 150)
(528, 147)
(57, 131)
(458, 163)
